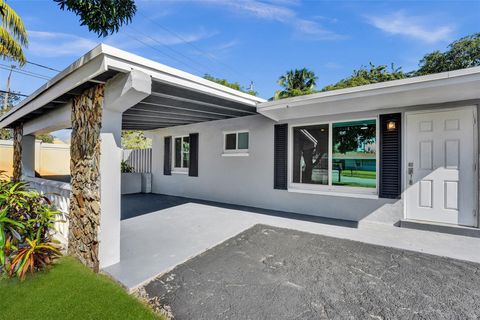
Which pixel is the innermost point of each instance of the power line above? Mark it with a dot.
(25, 72)
(42, 66)
(13, 93)
(172, 49)
(198, 49)
(162, 52)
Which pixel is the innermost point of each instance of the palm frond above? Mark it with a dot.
(11, 21)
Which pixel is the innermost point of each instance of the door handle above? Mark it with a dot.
(410, 173)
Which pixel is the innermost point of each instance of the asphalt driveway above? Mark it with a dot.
(273, 273)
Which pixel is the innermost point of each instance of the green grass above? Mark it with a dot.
(68, 291)
(359, 174)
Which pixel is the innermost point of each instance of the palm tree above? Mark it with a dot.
(296, 83)
(13, 36)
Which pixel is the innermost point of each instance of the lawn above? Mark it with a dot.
(68, 291)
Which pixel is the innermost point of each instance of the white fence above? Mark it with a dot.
(139, 159)
(59, 194)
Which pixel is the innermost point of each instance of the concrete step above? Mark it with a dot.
(440, 227)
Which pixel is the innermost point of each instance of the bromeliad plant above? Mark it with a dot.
(27, 219)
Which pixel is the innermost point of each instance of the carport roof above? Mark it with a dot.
(177, 97)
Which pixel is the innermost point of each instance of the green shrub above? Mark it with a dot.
(27, 221)
(126, 167)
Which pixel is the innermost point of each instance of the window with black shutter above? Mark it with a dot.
(390, 156)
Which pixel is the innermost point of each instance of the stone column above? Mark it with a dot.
(83, 239)
(17, 152)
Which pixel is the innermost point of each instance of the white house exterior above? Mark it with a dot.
(437, 150)
(399, 150)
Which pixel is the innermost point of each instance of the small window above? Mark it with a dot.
(236, 142)
(181, 152)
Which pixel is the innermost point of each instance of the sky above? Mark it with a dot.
(252, 40)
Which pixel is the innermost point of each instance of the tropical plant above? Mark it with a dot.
(13, 36)
(103, 17)
(135, 139)
(33, 256)
(364, 75)
(126, 167)
(296, 83)
(27, 219)
(462, 53)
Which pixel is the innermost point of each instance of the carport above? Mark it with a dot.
(97, 96)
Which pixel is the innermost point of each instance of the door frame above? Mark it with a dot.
(476, 198)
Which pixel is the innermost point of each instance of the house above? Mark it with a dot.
(399, 150)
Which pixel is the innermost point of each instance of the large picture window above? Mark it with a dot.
(181, 152)
(339, 154)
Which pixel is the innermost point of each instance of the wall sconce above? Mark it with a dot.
(391, 125)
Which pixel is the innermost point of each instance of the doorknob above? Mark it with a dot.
(410, 173)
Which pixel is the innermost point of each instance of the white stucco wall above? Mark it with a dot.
(249, 180)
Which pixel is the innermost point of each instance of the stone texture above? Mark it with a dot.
(85, 176)
(17, 152)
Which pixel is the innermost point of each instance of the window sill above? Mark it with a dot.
(235, 154)
(334, 193)
(179, 172)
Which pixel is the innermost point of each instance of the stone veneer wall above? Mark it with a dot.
(17, 152)
(83, 235)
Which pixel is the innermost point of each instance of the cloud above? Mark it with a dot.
(280, 12)
(399, 23)
(57, 44)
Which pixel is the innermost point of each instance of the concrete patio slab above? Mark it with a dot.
(180, 229)
(272, 273)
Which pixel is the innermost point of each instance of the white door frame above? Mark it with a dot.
(474, 108)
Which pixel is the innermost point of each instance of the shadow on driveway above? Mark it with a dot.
(273, 273)
(134, 205)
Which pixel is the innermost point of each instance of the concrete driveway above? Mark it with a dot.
(159, 232)
(273, 273)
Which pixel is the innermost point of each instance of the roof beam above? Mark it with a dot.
(240, 108)
(166, 112)
(150, 116)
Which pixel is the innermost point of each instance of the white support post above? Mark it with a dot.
(121, 93)
(28, 156)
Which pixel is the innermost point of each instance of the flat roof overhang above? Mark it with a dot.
(458, 85)
(176, 98)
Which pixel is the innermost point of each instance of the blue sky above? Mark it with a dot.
(254, 40)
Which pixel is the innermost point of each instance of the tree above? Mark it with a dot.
(103, 17)
(462, 53)
(296, 82)
(134, 139)
(13, 98)
(13, 36)
(365, 76)
(233, 85)
(45, 138)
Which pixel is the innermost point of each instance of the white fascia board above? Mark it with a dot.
(437, 88)
(124, 61)
(55, 88)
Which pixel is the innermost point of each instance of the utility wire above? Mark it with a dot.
(163, 52)
(173, 50)
(26, 73)
(42, 66)
(13, 93)
(198, 49)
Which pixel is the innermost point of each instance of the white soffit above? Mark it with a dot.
(443, 87)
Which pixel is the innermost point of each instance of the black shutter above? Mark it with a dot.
(193, 166)
(390, 156)
(167, 156)
(280, 154)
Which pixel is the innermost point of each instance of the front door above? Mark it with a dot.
(440, 166)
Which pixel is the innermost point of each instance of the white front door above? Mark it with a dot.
(440, 166)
